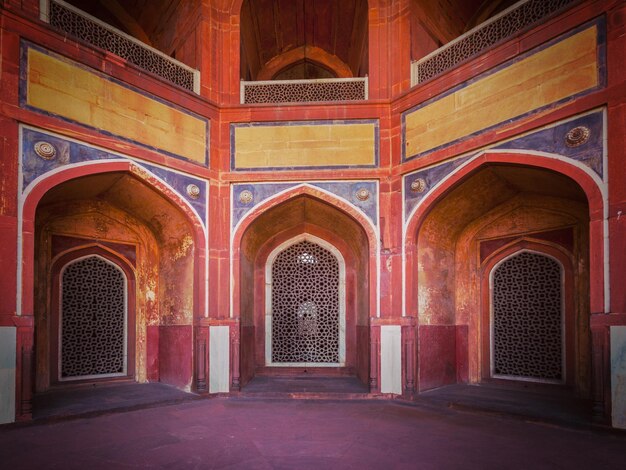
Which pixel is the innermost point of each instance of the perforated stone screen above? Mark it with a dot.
(527, 318)
(305, 305)
(515, 20)
(69, 20)
(304, 91)
(93, 312)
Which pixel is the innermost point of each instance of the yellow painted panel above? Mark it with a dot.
(63, 88)
(550, 75)
(306, 145)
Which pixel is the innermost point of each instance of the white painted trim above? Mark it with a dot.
(308, 184)
(268, 301)
(44, 10)
(617, 345)
(605, 197)
(563, 321)
(60, 328)
(206, 250)
(391, 359)
(219, 359)
(8, 366)
(231, 246)
(20, 222)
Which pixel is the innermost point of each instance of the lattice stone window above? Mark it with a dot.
(77, 23)
(514, 20)
(93, 320)
(305, 305)
(304, 91)
(527, 324)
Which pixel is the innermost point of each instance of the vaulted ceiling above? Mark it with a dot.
(326, 37)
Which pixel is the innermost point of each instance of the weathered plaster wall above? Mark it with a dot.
(94, 221)
(119, 208)
(496, 202)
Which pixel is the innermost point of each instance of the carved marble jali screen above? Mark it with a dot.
(527, 318)
(305, 305)
(93, 320)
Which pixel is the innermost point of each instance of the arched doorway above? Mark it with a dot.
(93, 317)
(302, 227)
(90, 229)
(305, 310)
(496, 251)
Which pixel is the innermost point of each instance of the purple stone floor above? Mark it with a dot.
(102, 398)
(256, 433)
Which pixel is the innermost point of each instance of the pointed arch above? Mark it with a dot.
(269, 296)
(591, 184)
(564, 260)
(315, 54)
(33, 194)
(59, 265)
(319, 194)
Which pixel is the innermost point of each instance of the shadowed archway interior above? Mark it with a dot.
(130, 223)
(490, 215)
(296, 217)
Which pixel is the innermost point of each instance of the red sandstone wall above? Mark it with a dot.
(215, 46)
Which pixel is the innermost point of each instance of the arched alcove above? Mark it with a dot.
(303, 217)
(121, 218)
(491, 213)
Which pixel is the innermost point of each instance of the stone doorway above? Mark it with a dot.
(305, 305)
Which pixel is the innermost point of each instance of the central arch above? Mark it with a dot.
(334, 224)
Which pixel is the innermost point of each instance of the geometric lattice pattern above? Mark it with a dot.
(305, 91)
(305, 305)
(491, 33)
(69, 21)
(527, 318)
(92, 319)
